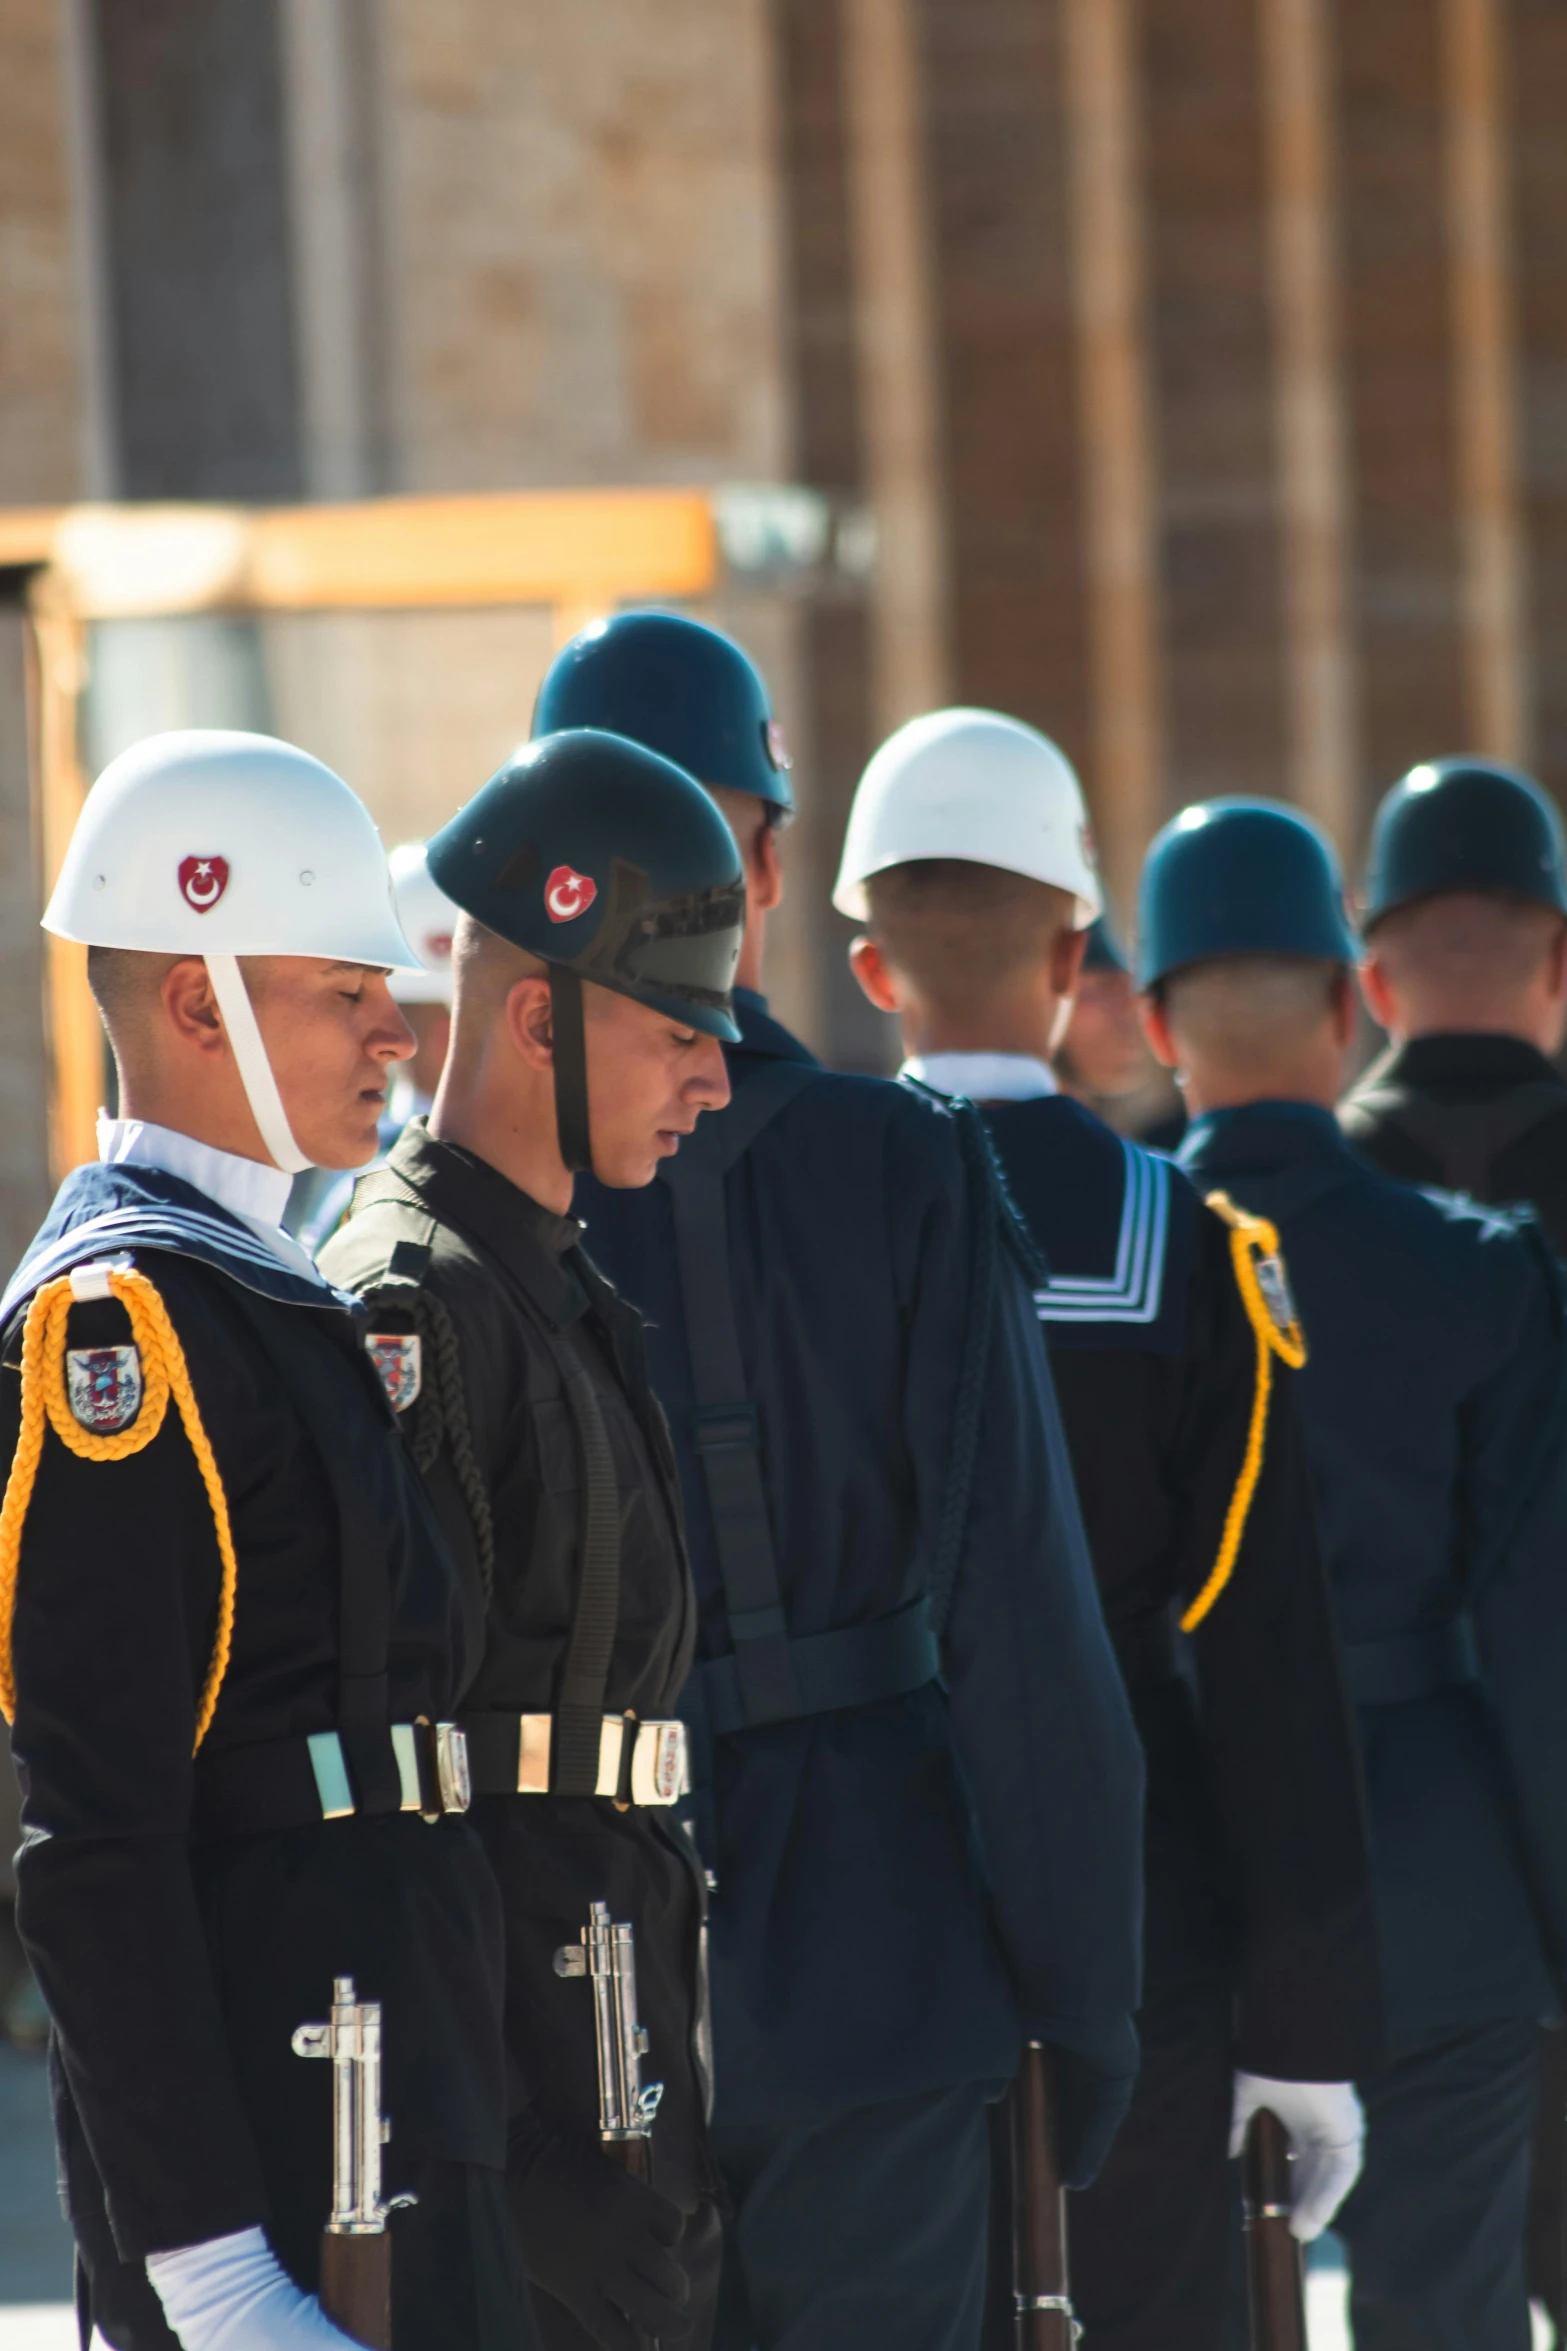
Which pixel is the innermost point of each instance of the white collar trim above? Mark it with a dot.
(983, 1077)
(255, 1193)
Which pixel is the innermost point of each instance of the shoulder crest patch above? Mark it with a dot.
(1277, 1296)
(104, 1387)
(398, 1357)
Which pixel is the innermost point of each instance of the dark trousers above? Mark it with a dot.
(863, 2233)
(1149, 2243)
(1435, 2225)
(456, 2282)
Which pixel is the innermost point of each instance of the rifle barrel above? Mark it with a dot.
(1274, 2275)
(1041, 2293)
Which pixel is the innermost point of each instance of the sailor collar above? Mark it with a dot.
(531, 1242)
(124, 1210)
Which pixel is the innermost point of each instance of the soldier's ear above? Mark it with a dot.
(871, 969)
(1156, 1028)
(1376, 992)
(529, 1022)
(190, 1006)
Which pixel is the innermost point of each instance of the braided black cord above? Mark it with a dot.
(980, 1167)
(440, 1414)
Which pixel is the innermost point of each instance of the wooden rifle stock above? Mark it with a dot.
(1041, 2296)
(1274, 2277)
(356, 2286)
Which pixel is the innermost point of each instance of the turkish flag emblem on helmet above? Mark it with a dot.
(203, 881)
(568, 893)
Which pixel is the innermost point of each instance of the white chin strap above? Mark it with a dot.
(255, 1070)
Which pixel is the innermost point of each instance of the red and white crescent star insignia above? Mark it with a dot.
(568, 893)
(203, 881)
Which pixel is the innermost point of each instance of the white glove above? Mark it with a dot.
(1327, 2136)
(233, 2294)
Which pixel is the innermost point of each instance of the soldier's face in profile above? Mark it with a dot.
(649, 1080)
(332, 1034)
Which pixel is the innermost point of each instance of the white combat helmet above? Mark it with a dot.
(207, 843)
(970, 784)
(428, 918)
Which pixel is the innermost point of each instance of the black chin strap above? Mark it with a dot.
(571, 1070)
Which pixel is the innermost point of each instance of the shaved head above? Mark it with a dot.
(1466, 941)
(1249, 1009)
(1470, 962)
(960, 930)
(126, 986)
(485, 969)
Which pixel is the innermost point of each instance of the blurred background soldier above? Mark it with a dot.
(1102, 1057)
(319, 1199)
(1464, 963)
(966, 851)
(879, 1496)
(1465, 966)
(602, 904)
(1432, 1403)
(214, 1545)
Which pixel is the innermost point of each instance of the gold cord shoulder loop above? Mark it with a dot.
(1265, 1294)
(46, 1404)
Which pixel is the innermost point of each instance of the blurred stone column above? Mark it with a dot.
(1114, 398)
(897, 361)
(1309, 413)
(1479, 229)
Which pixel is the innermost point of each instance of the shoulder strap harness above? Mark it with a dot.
(1264, 1289)
(45, 1404)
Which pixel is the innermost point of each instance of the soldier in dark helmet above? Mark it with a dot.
(1434, 1407)
(918, 1786)
(602, 907)
(1464, 964)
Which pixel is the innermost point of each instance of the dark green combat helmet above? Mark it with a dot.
(1464, 824)
(1239, 877)
(678, 686)
(612, 865)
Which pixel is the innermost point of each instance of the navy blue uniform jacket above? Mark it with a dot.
(1432, 1404)
(900, 1886)
(1256, 1846)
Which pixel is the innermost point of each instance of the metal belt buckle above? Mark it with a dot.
(452, 1776)
(659, 1771)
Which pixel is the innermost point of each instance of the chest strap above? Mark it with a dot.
(763, 1683)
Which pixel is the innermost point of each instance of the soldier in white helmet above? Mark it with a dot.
(969, 859)
(319, 1200)
(229, 1631)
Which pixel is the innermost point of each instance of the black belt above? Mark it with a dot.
(856, 1665)
(1400, 1666)
(331, 1775)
